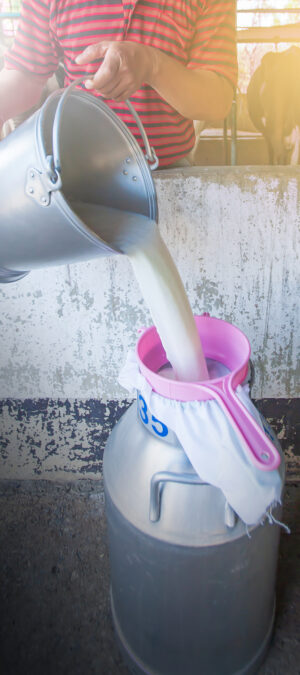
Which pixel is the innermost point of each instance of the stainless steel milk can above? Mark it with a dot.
(192, 590)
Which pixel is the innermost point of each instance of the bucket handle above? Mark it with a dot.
(55, 168)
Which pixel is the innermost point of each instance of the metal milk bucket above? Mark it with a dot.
(192, 589)
(73, 149)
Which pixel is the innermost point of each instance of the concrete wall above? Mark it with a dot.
(234, 234)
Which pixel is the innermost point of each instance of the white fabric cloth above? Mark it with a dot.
(212, 446)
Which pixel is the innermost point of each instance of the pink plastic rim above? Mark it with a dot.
(221, 341)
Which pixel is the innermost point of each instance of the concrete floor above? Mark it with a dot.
(54, 598)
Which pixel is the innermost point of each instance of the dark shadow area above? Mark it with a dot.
(54, 598)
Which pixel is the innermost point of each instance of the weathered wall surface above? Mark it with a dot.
(65, 331)
(234, 234)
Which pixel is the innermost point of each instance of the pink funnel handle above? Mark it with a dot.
(259, 448)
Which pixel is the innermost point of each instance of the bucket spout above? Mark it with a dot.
(121, 231)
(96, 198)
(7, 276)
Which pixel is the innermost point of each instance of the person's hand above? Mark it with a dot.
(125, 67)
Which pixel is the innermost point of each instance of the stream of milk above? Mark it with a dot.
(161, 285)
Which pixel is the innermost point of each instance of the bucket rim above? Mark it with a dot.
(110, 114)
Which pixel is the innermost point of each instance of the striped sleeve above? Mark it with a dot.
(214, 43)
(34, 48)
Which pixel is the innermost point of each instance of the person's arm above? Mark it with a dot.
(195, 94)
(29, 62)
(19, 91)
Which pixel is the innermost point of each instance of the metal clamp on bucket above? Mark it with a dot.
(73, 151)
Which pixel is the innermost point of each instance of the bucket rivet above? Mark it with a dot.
(125, 173)
(134, 178)
(31, 191)
(43, 200)
(31, 174)
(128, 160)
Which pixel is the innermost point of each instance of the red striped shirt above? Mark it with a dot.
(199, 34)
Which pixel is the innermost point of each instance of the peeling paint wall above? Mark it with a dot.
(55, 439)
(65, 439)
(234, 234)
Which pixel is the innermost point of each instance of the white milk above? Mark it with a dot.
(170, 309)
(215, 370)
(159, 280)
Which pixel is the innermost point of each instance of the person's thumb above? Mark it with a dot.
(93, 52)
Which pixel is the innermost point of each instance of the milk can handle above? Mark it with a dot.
(167, 477)
(187, 479)
(56, 168)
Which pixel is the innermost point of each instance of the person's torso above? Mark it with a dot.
(165, 24)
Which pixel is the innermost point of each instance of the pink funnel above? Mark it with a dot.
(225, 343)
